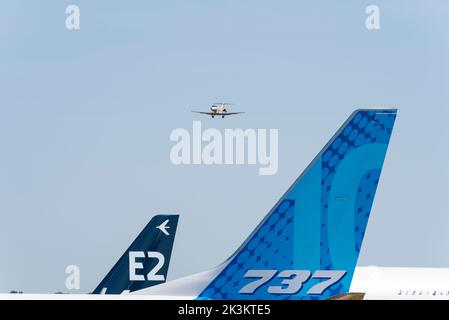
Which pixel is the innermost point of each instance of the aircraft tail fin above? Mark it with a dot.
(145, 263)
(308, 245)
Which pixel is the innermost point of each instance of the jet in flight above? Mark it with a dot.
(219, 109)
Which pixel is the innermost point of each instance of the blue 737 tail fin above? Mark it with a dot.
(308, 245)
(145, 263)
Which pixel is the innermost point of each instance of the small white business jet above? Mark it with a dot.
(219, 109)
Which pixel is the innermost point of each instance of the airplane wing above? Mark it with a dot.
(230, 113)
(218, 114)
(208, 113)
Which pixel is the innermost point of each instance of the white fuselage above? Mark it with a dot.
(386, 283)
(377, 283)
(218, 109)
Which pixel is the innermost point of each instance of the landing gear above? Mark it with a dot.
(212, 116)
(222, 117)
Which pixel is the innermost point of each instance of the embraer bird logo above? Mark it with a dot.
(163, 227)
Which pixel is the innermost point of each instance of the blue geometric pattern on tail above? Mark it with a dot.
(320, 222)
(262, 252)
(364, 202)
(366, 127)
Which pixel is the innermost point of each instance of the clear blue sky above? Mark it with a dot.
(85, 119)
